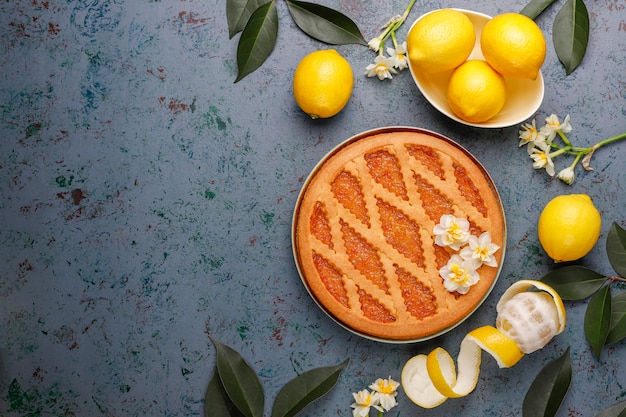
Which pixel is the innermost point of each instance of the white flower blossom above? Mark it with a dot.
(398, 56)
(374, 44)
(530, 135)
(567, 175)
(541, 155)
(481, 249)
(363, 401)
(459, 274)
(382, 68)
(387, 392)
(451, 231)
(553, 125)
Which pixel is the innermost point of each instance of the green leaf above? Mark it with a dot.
(535, 7)
(325, 24)
(239, 381)
(238, 13)
(616, 249)
(574, 282)
(570, 34)
(618, 319)
(216, 401)
(306, 388)
(546, 393)
(598, 319)
(617, 410)
(257, 39)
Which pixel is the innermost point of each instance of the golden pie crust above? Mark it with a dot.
(363, 232)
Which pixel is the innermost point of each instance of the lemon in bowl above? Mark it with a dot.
(523, 95)
(513, 45)
(476, 92)
(440, 41)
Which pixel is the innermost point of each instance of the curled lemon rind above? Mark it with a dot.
(418, 386)
(429, 380)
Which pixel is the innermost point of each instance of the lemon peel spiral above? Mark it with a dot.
(527, 321)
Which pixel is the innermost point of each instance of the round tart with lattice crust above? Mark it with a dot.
(363, 235)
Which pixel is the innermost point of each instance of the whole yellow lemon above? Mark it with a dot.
(476, 92)
(440, 41)
(322, 83)
(513, 45)
(569, 227)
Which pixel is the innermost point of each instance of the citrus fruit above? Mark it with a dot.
(513, 45)
(569, 227)
(530, 318)
(440, 41)
(476, 92)
(322, 83)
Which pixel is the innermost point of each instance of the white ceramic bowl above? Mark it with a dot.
(523, 97)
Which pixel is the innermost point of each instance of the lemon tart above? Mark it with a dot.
(364, 233)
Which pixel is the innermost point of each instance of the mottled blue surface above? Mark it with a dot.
(146, 203)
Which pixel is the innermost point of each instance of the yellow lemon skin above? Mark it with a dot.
(440, 41)
(322, 83)
(476, 92)
(569, 227)
(513, 45)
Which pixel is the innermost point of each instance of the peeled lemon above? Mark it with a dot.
(513, 45)
(440, 41)
(322, 83)
(476, 92)
(569, 227)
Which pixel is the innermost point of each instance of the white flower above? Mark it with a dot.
(363, 400)
(481, 249)
(567, 175)
(451, 231)
(382, 68)
(387, 392)
(459, 274)
(374, 44)
(398, 56)
(553, 125)
(530, 135)
(541, 155)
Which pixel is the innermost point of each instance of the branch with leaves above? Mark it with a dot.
(235, 389)
(257, 20)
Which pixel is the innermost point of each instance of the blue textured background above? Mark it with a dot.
(146, 203)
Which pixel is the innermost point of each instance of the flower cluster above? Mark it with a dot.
(384, 66)
(461, 271)
(543, 148)
(382, 397)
